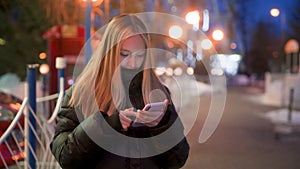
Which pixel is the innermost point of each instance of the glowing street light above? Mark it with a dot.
(169, 71)
(42, 55)
(291, 48)
(218, 34)
(44, 69)
(175, 32)
(178, 71)
(275, 12)
(193, 18)
(190, 71)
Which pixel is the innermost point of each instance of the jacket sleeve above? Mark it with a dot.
(71, 146)
(177, 155)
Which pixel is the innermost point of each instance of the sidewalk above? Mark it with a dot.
(243, 139)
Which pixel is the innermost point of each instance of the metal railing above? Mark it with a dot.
(26, 141)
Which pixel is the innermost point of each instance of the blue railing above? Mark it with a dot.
(25, 143)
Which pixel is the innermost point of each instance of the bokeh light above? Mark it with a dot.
(44, 68)
(42, 55)
(275, 12)
(218, 35)
(175, 31)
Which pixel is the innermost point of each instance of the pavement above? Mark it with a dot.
(243, 138)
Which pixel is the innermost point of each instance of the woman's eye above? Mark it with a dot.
(143, 54)
(124, 53)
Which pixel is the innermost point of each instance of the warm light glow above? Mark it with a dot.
(218, 35)
(291, 46)
(175, 31)
(190, 71)
(192, 17)
(22, 143)
(233, 45)
(206, 44)
(274, 12)
(42, 55)
(18, 156)
(44, 69)
(178, 71)
(160, 71)
(15, 106)
(169, 71)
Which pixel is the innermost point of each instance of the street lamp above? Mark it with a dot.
(44, 70)
(175, 32)
(193, 18)
(88, 4)
(218, 35)
(190, 71)
(42, 55)
(292, 47)
(275, 12)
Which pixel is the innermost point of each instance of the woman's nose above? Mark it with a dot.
(131, 62)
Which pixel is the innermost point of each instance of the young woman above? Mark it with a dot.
(102, 124)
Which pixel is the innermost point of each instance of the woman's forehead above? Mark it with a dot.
(134, 43)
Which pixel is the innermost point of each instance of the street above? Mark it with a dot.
(243, 139)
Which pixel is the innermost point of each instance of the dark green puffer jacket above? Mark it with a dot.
(74, 148)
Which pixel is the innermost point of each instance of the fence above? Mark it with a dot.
(278, 87)
(26, 141)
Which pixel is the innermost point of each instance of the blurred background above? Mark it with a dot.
(253, 44)
(256, 30)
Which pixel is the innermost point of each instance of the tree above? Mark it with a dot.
(293, 21)
(22, 24)
(241, 17)
(261, 48)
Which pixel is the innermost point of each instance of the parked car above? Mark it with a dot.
(13, 150)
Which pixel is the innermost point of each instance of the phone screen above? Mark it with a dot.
(157, 106)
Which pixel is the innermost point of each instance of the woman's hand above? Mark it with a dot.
(125, 117)
(150, 118)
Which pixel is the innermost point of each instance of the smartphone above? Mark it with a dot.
(157, 106)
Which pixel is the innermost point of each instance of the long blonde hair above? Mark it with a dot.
(94, 90)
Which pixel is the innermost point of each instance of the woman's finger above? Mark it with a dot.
(129, 112)
(147, 117)
(125, 121)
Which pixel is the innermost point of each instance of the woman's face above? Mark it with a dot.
(132, 53)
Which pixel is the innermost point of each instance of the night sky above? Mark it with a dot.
(259, 10)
